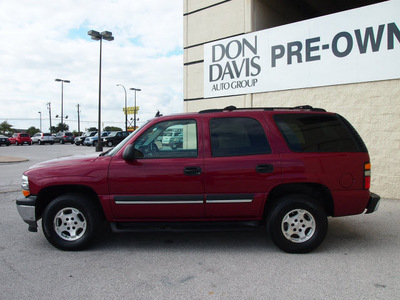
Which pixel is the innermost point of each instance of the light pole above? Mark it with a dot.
(134, 109)
(106, 35)
(40, 113)
(49, 108)
(79, 122)
(126, 112)
(62, 99)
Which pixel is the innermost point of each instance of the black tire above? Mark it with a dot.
(94, 144)
(297, 224)
(71, 222)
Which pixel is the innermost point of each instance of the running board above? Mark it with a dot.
(185, 226)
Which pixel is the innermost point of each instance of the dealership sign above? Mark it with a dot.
(358, 45)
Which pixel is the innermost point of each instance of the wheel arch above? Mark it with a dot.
(316, 191)
(48, 194)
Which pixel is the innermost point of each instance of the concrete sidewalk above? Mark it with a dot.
(11, 159)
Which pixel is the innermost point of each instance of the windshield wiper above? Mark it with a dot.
(104, 153)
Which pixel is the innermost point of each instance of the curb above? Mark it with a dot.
(11, 159)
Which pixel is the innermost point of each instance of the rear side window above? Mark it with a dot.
(237, 136)
(319, 133)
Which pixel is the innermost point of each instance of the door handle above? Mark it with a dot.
(263, 169)
(192, 171)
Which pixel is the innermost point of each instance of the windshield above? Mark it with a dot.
(114, 150)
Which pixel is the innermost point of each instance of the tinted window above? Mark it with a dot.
(152, 143)
(237, 136)
(317, 133)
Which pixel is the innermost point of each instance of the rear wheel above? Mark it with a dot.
(297, 224)
(71, 222)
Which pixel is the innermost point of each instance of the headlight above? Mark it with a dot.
(25, 185)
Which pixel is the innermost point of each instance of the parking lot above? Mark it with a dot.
(359, 258)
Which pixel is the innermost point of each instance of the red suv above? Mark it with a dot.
(287, 169)
(20, 139)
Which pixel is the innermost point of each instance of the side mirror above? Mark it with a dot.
(130, 153)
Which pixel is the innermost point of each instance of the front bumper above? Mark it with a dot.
(27, 210)
(373, 203)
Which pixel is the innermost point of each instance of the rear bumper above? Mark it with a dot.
(373, 203)
(27, 210)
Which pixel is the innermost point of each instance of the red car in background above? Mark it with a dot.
(21, 138)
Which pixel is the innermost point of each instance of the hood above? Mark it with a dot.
(78, 160)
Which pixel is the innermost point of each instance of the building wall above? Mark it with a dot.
(372, 107)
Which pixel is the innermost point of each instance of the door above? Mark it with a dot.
(165, 181)
(240, 167)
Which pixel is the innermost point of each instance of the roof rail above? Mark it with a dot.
(232, 108)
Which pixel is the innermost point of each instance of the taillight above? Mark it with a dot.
(367, 175)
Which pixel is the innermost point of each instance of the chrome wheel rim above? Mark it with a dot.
(298, 226)
(70, 224)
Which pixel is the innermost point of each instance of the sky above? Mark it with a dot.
(42, 40)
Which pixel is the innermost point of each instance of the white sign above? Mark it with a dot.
(358, 45)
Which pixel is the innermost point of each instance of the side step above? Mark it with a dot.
(184, 226)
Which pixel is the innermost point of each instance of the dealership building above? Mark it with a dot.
(340, 55)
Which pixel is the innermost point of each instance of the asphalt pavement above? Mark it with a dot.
(359, 258)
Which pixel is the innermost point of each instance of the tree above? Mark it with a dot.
(60, 127)
(92, 129)
(5, 128)
(112, 128)
(33, 130)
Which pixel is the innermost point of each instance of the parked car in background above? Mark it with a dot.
(64, 137)
(4, 140)
(93, 140)
(176, 141)
(80, 140)
(21, 138)
(170, 134)
(43, 138)
(115, 137)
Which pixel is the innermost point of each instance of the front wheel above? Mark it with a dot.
(297, 224)
(71, 221)
(109, 144)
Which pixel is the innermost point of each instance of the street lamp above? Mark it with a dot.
(40, 113)
(134, 109)
(49, 108)
(126, 112)
(62, 97)
(105, 35)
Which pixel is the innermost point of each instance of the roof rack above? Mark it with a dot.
(232, 108)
